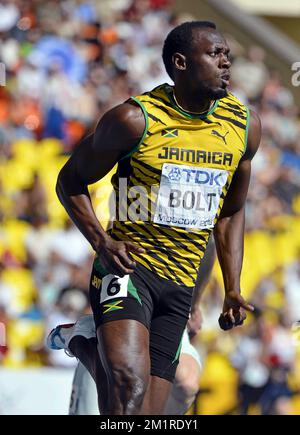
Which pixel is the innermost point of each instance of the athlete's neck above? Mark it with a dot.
(189, 103)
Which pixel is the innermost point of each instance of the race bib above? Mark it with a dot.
(189, 196)
(113, 286)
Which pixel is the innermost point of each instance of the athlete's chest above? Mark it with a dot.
(208, 144)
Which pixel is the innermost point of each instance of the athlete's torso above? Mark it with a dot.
(185, 164)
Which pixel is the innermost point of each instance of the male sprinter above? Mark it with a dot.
(185, 153)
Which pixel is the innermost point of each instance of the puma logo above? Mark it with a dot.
(216, 133)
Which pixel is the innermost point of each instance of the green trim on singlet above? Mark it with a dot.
(133, 291)
(145, 129)
(186, 114)
(247, 129)
(178, 350)
(99, 268)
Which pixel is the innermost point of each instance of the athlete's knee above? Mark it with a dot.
(129, 381)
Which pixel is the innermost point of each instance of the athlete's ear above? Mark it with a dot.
(179, 61)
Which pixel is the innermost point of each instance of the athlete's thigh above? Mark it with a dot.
(167, 331)
(124, 343)
(122, 313)
(113, 298)
(167, 328)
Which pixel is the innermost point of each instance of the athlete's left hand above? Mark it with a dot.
(233, 313)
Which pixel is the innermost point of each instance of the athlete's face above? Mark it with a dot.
(207, 66)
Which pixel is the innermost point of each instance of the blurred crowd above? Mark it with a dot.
(67, 62)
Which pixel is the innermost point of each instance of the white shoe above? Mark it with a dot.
(61, 335)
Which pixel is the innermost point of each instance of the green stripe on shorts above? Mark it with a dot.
(133, 291)
(99, 268)
(178, 351)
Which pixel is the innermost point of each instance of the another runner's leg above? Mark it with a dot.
(83, 399)
(86, 351)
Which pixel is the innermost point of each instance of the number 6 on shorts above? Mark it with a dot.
(113, 286)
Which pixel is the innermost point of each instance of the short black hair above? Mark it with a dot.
(179, 40)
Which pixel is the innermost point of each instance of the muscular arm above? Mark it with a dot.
(229, 230)
(116, 134)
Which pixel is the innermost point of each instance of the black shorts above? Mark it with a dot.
(161, 305)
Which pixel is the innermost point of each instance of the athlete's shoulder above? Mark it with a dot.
(124, 123)
(125, 113)
(234, 102)
(254, 135)
(159, 92)
(253, 117)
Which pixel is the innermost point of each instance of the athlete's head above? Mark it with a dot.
(197, 54)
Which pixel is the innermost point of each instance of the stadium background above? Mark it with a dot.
(67, 62)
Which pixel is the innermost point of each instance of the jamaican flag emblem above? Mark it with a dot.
(113, 306)
(169, 132)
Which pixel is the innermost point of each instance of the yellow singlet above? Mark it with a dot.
(177, 179)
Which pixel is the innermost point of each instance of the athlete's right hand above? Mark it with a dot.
(115, 256)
